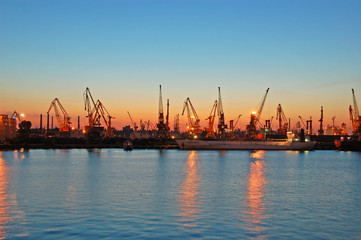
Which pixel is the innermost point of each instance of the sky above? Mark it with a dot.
(307, 52)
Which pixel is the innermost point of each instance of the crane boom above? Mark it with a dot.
(193, 119)
(357, 114)
(282, 121)
(259, 111)
(102, 112)
(212, 116)
(237, 119)
(221, 121)
(133, 122)
(64, 124)
(162, 128)
(303, 122)
(90, 106)
(17, 115)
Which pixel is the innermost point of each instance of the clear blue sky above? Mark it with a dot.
(307, 52)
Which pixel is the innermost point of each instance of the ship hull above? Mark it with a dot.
(350, 146)
(244, 145)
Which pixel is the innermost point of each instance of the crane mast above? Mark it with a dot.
(320, 131)
(255, 118)
(176, 123)
(90, 106)
(260, 109)
(221, 122)
(212, 116)
(355, 118)
(282, 121)
(167, 117)
(95, 112)
(103, 113)
(162, 128)
(193, 119)
(63, 123)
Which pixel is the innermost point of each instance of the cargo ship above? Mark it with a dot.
(187, 144)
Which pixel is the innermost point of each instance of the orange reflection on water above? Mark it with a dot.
(258, 154)
(189, 190)
(4, 217)
(256, 187)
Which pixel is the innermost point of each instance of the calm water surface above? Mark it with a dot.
(148, 194)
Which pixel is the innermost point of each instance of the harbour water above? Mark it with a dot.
(172, 194)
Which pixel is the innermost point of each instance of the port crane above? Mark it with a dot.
(282, 121)
(162, 127)
(255, 118)
(63, 122)
(96, 112)
(193, 119)
(321, 131)
(90, 107)
(221, 122)
(308, 126)
(354, 114)
(17, 115)
(167, 117)
(212, 116)
(103, 113)
(260, 109)
(233, 124)
(133, 122)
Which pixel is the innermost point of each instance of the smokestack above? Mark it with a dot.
(41, 121)
(47, 122)
(78, 122)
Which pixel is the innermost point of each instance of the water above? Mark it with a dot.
(148, 194)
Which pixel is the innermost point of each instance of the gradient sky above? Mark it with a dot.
(307, 52)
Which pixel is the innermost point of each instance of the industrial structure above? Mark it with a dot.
(232, 126)
(209, 129)
(95, 112)
(355, 118)
(64, 120)
(255, 119)
(193, 127)
(354, 114)
(99, 125)
(283, 124)
(321, 131)
(163, 128)
(7, 127)
(221, 121)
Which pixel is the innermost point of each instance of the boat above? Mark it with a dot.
(128, 145)
(188, 144)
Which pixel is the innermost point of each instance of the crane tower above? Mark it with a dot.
(221, 122)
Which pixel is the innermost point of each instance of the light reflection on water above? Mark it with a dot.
(256, 187)
(189, 191)
(4, 215)
(80, 194)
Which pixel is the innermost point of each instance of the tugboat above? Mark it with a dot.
(128, 145)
